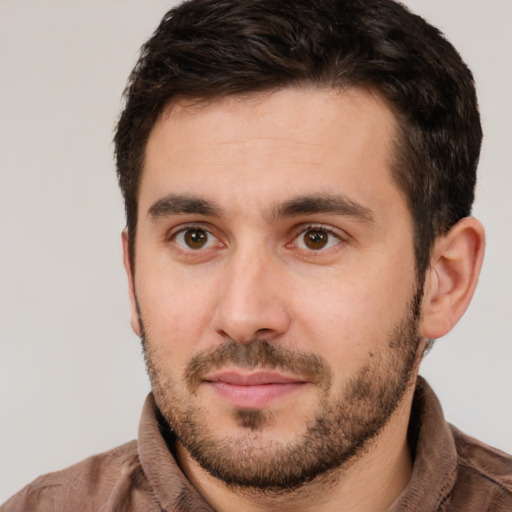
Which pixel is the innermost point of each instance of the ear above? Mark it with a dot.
(452, 277)
(130, 273)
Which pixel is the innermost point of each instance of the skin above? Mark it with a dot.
(257, 279)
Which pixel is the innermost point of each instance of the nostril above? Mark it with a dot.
(264, 331)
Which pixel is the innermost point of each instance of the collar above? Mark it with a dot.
(435, 456)
(170, 486)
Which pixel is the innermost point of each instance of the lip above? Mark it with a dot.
(252, 390)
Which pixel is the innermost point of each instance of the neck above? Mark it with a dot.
(370, 482)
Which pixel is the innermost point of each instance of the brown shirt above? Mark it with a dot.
(451, 472)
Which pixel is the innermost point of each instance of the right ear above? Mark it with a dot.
(452, 278)
(130, 274)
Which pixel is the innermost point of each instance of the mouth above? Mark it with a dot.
(252, 390)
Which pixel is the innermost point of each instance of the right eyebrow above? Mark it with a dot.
(174, 204)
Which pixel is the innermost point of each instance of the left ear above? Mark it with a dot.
(130, 274)
(452, 277)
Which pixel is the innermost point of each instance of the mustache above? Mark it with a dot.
(258, 353)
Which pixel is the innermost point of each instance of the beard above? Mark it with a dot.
(340, 429)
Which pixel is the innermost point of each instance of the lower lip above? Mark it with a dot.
(254, 397)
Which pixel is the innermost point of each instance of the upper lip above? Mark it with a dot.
(257, 378)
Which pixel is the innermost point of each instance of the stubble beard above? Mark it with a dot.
(339, 431)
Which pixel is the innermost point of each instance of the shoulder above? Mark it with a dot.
(484, 475)
(91, 481)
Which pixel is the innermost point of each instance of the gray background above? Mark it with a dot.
(72, 381)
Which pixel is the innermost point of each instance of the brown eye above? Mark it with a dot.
(195, 239)
(315, 239)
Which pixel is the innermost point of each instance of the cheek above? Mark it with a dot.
(346, 321)
(341, 324)
(175, 312)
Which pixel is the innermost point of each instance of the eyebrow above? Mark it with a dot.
(174, 204)
(323, 203)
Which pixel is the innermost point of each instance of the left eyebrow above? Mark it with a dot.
(324, 203)
(174, 204)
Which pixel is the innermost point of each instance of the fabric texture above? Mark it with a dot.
(452, 472)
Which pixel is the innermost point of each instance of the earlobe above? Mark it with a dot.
(130, 274)
(452, 277)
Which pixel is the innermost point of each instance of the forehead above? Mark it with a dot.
(266, 147)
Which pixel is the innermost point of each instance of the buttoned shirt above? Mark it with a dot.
(451, 472)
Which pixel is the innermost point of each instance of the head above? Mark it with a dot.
(288, 169)
(204, 50)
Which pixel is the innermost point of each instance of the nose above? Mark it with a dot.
(251, 300)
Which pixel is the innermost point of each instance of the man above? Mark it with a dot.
(298, 179)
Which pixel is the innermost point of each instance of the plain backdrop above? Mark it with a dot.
(72, 380)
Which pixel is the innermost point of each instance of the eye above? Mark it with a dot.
(316, 239)
(195, 239)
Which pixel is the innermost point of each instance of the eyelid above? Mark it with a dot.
(342, 235)
(205, 226)
(182, 228)
(339, 234)
(330, 230)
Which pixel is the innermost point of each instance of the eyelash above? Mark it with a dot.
(301, 230)
(190, 227)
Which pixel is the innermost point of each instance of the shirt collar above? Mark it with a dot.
(435, 455)
(171, 488)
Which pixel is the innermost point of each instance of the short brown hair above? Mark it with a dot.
(212, 48)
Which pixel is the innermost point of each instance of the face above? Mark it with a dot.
(274, 283)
